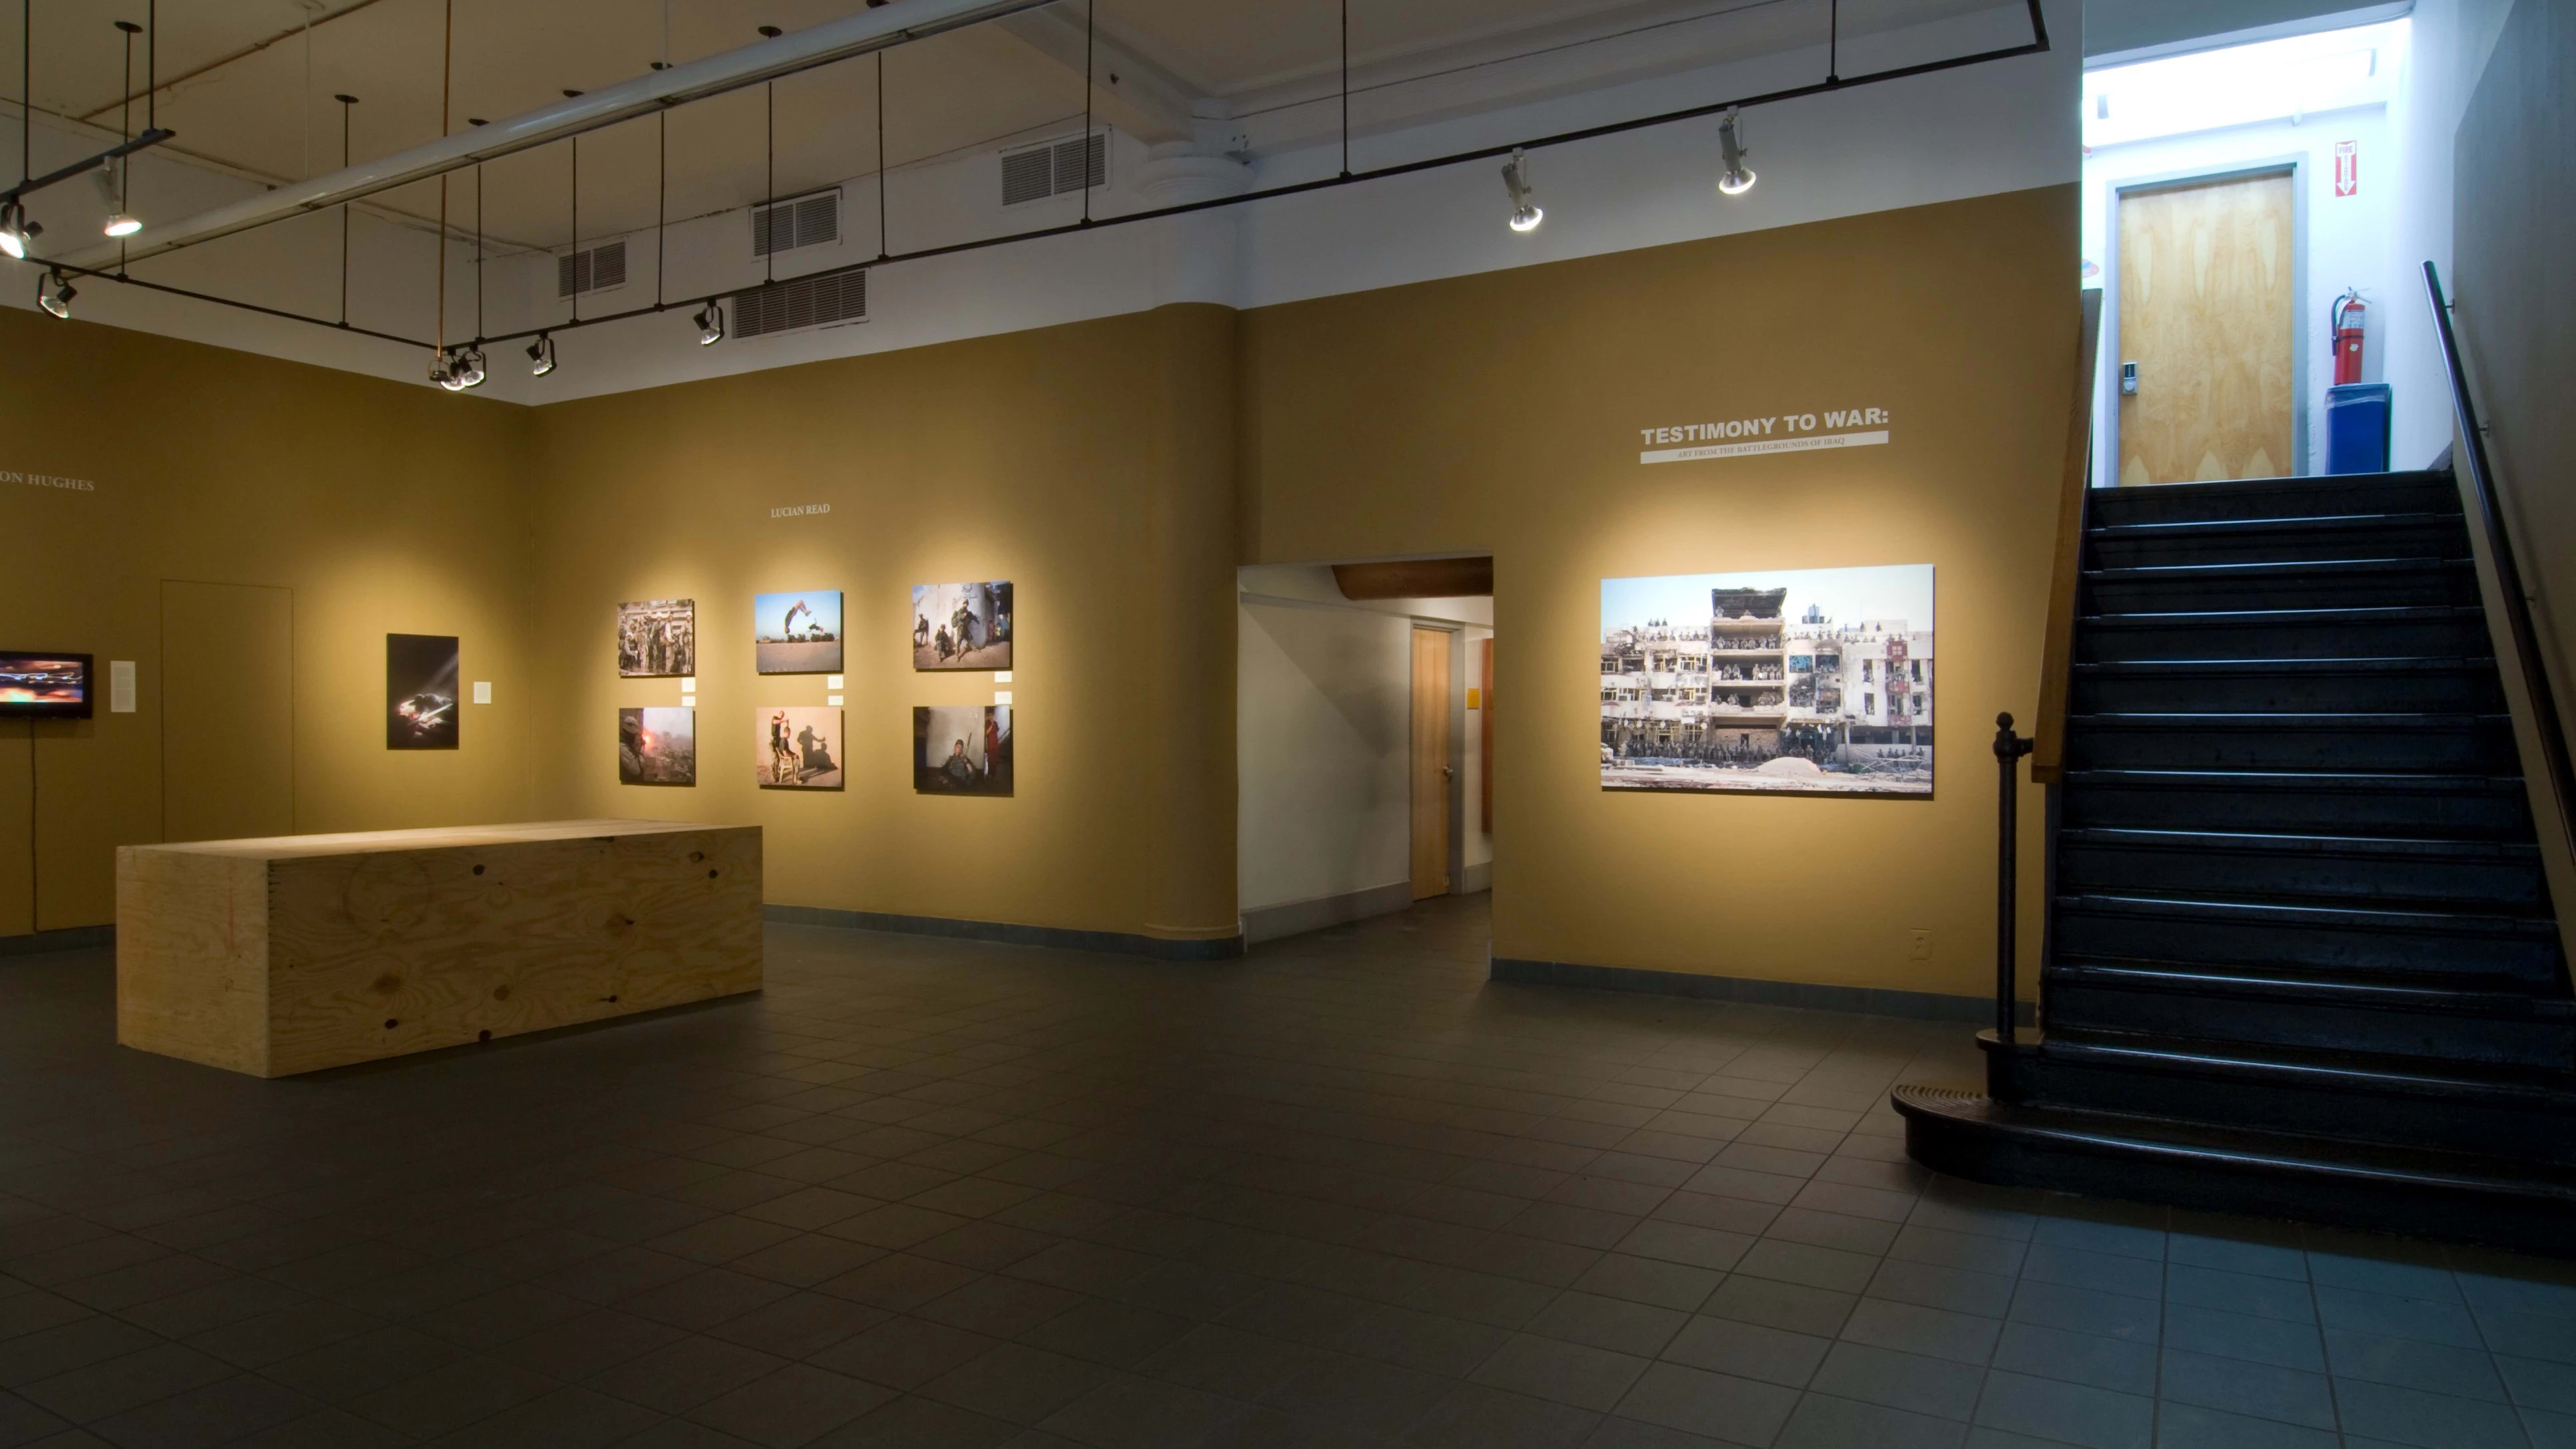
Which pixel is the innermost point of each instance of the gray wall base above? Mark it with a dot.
(1873, 1001)
(1295, 918)
(1122, 942)
(78, 938)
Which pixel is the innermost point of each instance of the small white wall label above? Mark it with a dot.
(120, 686)
(482, 691)
(1001, 696)
(1001, 676)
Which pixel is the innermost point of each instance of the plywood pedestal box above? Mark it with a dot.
(301, 952)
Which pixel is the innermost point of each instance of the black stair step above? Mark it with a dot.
(2434, 743)
(2248, 498)
(2471, 1020)
(2323, 583)
(2254, 540)
(2501, 877)
(2375, 631)
(2293, 802)
(2434, 946)
(2356, 1095)
(2480, 1197)
(2295, 686)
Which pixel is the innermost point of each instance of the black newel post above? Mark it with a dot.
(2009, 748)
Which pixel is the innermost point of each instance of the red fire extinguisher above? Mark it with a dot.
(2350, 315)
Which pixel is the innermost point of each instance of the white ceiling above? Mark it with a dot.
(248, 86)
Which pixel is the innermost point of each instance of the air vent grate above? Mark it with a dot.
(1053, 168)
(804, 302)
(804, 221)
(592, 269)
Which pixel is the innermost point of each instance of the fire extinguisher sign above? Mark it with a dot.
(2347, 168)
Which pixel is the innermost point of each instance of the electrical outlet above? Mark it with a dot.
(1919, 943)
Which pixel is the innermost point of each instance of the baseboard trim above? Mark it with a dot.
(76, 938)
(1295, 918)
(1125, 943)
(1752, 991)
(1476, 878)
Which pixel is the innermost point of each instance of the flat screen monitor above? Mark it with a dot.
(44, 684)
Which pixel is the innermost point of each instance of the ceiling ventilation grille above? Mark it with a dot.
(592, 269)
(1052, 168)
(805, 302)
(802, 221)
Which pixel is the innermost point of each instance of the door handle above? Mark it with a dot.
(1446, 773)
(2128, 379)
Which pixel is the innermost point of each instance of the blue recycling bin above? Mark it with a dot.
(2357, 427)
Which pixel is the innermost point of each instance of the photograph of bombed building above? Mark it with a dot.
(1790, 681)
(961, 626)
(961, 749)
(798, 633)
(657, 747)
(420, 691)
(657, 638)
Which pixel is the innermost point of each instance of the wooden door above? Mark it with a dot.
(2206, 311)
(1433, 774)
(227, 711)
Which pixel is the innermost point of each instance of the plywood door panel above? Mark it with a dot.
(2206, 310)
(227, 711)
(1433, 775)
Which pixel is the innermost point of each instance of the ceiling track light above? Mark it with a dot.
(1737, 178)
(541, 355)
(17, 233)
(1526, 212)
(55, 294)
(458, 368)
(711, 324)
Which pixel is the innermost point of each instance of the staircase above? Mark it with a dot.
(2301, 956)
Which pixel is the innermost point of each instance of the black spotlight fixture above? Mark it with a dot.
(16, 232)
(710, 320)
(541, 355)
(55, 294)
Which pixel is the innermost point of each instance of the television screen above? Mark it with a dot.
(44, 686)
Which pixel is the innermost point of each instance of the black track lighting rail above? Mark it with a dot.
(2038, 44)
(153, 137)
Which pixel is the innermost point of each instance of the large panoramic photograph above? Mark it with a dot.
(1788, 681)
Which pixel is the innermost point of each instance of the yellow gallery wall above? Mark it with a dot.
(1090, 465)
(1502, 412)
(382, 508)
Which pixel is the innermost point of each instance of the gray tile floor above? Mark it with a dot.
(927, 1193)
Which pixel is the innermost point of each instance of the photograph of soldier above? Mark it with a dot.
(657, 747)
(961, 626)
(657, 638)
(800, 748)
(961, 749)
(420, 691)
(797, 633)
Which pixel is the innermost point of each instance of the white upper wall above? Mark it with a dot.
(1981, 130)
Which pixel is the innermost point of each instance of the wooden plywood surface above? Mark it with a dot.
(1431, 777)
(2206, 310)
(357, 842)
(192, 957)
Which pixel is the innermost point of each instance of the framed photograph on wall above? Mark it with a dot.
(1782, 681)
(657, 746)
(420, 691)
(961, 626)
(961, 749)
(657, 638)
(799, 747)
(798, 632)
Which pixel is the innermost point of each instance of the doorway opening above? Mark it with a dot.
(2240, 213)
(1364, 700)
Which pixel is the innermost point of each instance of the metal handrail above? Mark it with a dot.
(2009, 749)
(2517, 604)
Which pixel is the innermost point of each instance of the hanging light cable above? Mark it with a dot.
(440, 369)
(120, 222)
(16, 231)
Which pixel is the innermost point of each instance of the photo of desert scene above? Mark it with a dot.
(797, 633)
(961, 626)
(657, 747)
(1790, 681)
(961, 749)
(799, 748)
(657, 638)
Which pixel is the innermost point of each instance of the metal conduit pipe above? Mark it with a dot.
(714, 75)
